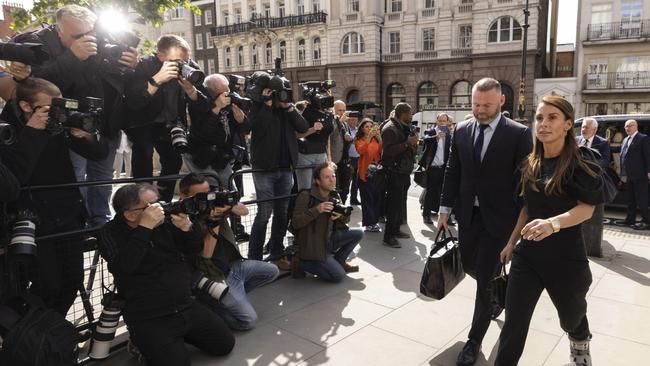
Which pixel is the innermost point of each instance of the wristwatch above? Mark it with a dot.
(153, 82)
(555, 223)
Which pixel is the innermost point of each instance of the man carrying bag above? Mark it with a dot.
(443, 270)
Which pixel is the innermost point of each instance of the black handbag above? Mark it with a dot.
(497, 288)
(420, 177)
(444, 269)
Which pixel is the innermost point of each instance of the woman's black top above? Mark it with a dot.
(577, 186)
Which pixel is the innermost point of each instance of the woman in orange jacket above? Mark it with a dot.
(368, 145)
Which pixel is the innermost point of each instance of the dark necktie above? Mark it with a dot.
(586, 143)
(478, 144)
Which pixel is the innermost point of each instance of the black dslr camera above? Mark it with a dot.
(313, 92)
(191, 72)
(111, 45)
(66, 113)
(27, 53)
(201, 204)
(280, 85)
(7, 134)
(236, 84)
(340, 209)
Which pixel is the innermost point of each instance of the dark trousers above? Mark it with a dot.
(396, 187)
(637, 196)
(347, 177)
(145, 139)
(369, 203)
(435, 176)
(567, 283)
(235, 220)
(479, 252)
(162, 340)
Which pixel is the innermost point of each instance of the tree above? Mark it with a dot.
(150, 11)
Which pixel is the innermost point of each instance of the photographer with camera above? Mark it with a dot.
(325, 241)
(147, 253)
(274, 148)
(76, 43)
(162, 86)
(40, 156)
(220, 250)
(399, 143)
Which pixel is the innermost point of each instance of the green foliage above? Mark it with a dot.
(150, 11)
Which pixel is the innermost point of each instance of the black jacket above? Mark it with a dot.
(9, 185)
(143, 108)
(38, 158)
(79, 79)
(150, 267)
(431, 147)
(273, 133)
(396, 155)
(637, 158)
(493, 180)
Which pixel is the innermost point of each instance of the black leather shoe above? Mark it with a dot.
(469, 354)
(427, 219)
(640, 226)
(392, 242)
(623, 223)
(402, 235)
(496, 311)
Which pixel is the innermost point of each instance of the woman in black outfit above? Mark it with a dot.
(560, 186)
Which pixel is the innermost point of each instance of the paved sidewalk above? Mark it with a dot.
(377, 316)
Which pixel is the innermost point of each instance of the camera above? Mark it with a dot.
(280, 85)
(105, 329)
(202, 203)
(340, 209)
(241, 102)
(27, 53)
(313, 92)
(236, 83)
(217, 290)
(23, 232)
(178, 135)
(7, 134)
(71, 113)
(111, 45)
(191, 72)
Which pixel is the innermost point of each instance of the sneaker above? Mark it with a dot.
(282, 264)
(579, 355)
(373, 228)
(392, 242)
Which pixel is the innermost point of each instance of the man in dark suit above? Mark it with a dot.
(635, 166)
(434, 160)
(589, 139)
(480, 183)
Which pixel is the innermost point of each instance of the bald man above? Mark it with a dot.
(635, 166)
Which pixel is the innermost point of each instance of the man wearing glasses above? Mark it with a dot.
(76, 69)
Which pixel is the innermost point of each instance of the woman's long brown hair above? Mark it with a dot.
(570, 155)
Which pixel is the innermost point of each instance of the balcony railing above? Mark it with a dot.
(618, 80)
(428, 13)
(426, 55)
(301, 63)
(315, 62)
(392, 17)
(465, 8)
(395, 57)
(619, 30)
(461, 52)
(258, 21)
(352, 17)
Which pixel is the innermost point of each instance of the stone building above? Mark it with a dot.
(613, 57)
(176, 21)
(202, 23)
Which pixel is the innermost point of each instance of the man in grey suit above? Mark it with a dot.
(480, 183)
(589, 139)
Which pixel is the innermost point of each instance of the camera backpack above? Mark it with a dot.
(40, 337)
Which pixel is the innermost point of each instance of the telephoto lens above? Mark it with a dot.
(217, 290)
(22, 236)
(105, 329)
(179, 138)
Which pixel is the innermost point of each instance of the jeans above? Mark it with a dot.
(96, 197)
(304, 175)
(267, 186)
(222, 175)
(245, 275)
(340, 245)
(369, 203)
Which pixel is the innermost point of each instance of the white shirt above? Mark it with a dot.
(439, 157)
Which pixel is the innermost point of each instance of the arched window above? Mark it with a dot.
(227, 58)
(316, 48)
(240, 56)
(268, 54)
(427, 94)
(353, 96)
(301, 50)
(352, 43)
(396, 94)
(254, 59)
(461, 93)
(504, 29)
(283, 50)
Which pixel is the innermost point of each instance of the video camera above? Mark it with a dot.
(191, 72)
(7, 134)
(201, 204)
(71, 113)
(110, 45)
(313, 92)
(27, 53)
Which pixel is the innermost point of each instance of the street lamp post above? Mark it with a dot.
(522, 83)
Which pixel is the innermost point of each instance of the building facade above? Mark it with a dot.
(613, 57)
(177, 21)
(425, 52)
(204, 51)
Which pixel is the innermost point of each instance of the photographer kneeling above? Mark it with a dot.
(220, 250)
(147, 255)
(324, 239)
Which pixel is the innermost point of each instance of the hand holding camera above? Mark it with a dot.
(267, 92)
(18, 70)
(80, 134)
(129, 59)
(222, 101)
(39, 118)
(84, 47)
(325, 207)
(182, 221)
(168, 71)
(152, 216)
